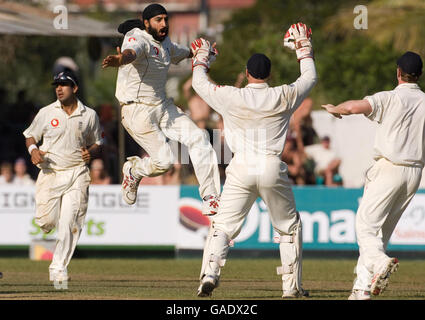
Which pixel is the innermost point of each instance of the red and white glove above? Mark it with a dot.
(298, 38)
(203, 53)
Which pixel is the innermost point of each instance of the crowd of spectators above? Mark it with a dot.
(310, 158)
(15, 174)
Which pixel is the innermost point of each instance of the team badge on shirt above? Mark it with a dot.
(156, 50)
(54, 123)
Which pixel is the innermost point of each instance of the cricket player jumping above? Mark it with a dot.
(71, 135)
(256, 120)
(150, 117)
(391, 183)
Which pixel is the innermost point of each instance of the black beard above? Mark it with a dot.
(155, 34)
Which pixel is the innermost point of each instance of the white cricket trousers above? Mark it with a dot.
(61, 202)
(247, 178)
(150, 126)
(388, 190)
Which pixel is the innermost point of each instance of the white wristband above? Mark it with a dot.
(31, 148)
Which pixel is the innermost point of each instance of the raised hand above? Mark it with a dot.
(113, 60)
(203, 53)
(85, 155)
(330, 108)
(37, 156)
(298, 38)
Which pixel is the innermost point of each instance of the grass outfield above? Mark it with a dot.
(176, 279)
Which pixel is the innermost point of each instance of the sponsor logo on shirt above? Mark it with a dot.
(131, 39)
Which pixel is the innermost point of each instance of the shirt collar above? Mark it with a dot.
(408, 85)
(78, 112)
(261, 85)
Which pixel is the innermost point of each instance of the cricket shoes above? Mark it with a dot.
(380, 279)
(210, 205)
(208, 284)
(59, 276)
(295, 294)
(130, 183)
(357, 294)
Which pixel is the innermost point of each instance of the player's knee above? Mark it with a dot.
(45, 224)
(46, 221)
(163, 166)
(232, 230)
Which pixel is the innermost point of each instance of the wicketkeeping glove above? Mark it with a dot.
(203, 53)
(298, 38)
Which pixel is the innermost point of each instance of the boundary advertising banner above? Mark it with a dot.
(109, 221)
(171, 216)
(328, 216)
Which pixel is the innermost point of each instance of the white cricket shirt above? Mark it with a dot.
(256, 117)
(400, 134)
(144, 79)
(63, 135)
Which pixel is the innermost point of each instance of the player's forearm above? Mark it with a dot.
(308, 78)
(127, 56)
(344, 108)
(200, 82)
(30, 141)
(352, 107)
(205, 88)
(94, 150)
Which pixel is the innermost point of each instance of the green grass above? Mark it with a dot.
(177, 279)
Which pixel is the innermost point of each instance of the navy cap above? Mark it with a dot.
(259, 66)
(410, 63)
(65, 77)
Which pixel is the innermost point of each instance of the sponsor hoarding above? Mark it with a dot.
(171, 215)
(109, 221)
(328, 216)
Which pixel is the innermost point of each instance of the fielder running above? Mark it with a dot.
(391, 183)
(256, 120)
(149, 116)
(71, 135)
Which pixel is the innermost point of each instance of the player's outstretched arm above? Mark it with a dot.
(119, 59)
(298, 38)
(214, 95)
(349, 107)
